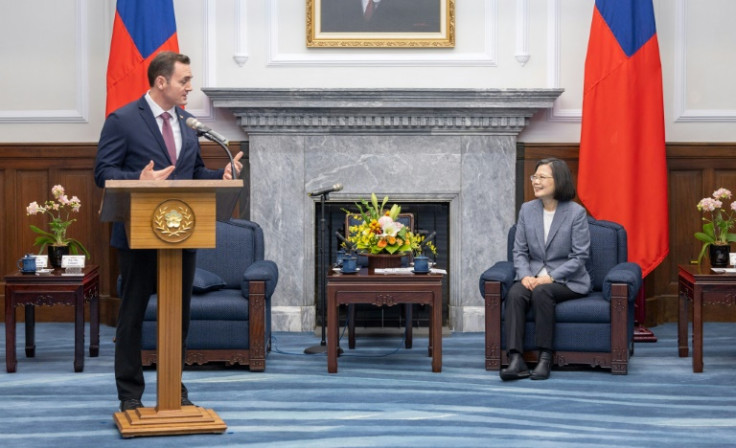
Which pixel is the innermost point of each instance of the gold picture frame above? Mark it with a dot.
(392, 24)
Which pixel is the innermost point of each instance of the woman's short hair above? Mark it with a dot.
(564, 185)
(163, 65)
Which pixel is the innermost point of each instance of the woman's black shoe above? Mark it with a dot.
(516, 370)
(541, 371)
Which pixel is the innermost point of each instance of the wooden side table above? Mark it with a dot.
(700, 285)
(52, 289)
(388, 290)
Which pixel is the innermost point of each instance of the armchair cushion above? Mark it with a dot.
(262, 270)
(502, 271)
(627, 273)
(206, 281)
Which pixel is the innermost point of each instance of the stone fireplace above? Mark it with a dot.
(433, 145)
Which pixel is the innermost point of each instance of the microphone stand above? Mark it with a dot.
(223, 146)
(322, 347)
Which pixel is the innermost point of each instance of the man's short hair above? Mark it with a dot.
(163, 65)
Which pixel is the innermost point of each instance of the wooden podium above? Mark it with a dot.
(169, 216)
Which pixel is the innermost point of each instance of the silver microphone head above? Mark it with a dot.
(193, 123)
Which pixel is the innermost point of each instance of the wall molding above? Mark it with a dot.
(209, 63)
(681, 112)
(522, 32)
(241, 33)
(554, 62)
(80, 111)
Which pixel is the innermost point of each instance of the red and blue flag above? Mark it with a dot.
(622, 172)
(142, 28)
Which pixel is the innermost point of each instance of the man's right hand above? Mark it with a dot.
(149, 173)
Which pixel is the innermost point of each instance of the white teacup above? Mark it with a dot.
(732, 259)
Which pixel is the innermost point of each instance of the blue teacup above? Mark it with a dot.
(421, 264)
(27, 264)
(340, 257)
(349, 264)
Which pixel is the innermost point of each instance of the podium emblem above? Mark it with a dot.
(173, 221)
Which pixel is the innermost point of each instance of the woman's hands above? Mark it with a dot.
(530, 282)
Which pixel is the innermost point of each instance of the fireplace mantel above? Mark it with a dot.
(399, 111)
(453, 145)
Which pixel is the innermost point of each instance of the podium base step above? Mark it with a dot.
(150, 422)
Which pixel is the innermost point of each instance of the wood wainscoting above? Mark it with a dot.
(695, 170)
(27, 173)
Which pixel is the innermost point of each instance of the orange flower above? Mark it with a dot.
(382, 243)
(375, 227)
(391, 240)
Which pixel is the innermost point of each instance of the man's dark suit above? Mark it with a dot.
(130, 139)
(398, 16)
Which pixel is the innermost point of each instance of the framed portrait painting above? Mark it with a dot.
(381, 23)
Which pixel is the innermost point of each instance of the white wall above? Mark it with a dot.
(53, 57)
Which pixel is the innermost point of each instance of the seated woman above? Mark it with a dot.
(550, 250)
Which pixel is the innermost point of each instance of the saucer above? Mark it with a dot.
(350, 272)
(420, 272)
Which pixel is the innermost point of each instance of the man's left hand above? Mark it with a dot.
(229, 169)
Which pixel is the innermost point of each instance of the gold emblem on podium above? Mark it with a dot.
(173, 221)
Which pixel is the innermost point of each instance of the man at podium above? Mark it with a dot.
(148, 140)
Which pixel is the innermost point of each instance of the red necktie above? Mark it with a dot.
(369, 10)
(168, 136)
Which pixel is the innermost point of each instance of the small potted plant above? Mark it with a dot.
(419, 244)
(717, 224)
(58, 210)
(347, 258)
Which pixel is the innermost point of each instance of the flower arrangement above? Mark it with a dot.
(716, 221)
(58, 211)
(379, 232)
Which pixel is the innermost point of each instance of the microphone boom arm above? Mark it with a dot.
(224, 146)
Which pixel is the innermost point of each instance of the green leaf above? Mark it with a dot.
(702, 252)
(709, 230)
(385, 200)
(43, 232)
(75, 246)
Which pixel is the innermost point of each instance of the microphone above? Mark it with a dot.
(336, 187)
(209, 134)
(206, 131)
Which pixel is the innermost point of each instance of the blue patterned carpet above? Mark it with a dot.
(387, 401)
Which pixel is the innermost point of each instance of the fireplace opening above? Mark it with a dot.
(428, 217)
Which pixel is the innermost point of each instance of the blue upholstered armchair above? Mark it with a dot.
(231, 302)
(598, 329)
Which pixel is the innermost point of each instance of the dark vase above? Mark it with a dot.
(56, 252)
(719, 255)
